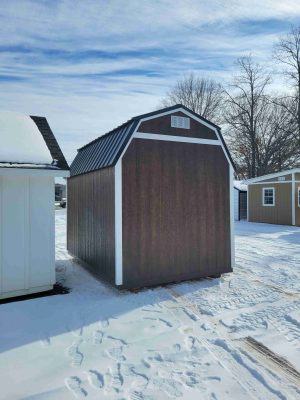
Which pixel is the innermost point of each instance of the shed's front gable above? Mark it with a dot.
(108, 149)
(198, 132)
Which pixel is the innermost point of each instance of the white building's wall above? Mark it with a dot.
(27, 258)
(236, 204)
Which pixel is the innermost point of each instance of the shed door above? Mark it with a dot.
(26, 232)
(14, 219)
(243, 205)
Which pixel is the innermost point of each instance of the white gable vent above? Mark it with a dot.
(180, 122)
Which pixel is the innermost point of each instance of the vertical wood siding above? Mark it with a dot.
(176, 214)
(280, 214)
(91, 219)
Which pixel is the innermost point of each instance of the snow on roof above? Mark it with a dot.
(240, 185)
(21, 141)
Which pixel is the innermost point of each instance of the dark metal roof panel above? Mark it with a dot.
(53, 146)
(102, 152)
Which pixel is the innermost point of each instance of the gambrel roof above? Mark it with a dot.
(105, 151)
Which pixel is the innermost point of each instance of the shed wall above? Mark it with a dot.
(280, 214)
(27, 248)
(91, 219)
(176, 212)
(297, 207)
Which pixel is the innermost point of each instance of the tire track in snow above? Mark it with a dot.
(254, 377)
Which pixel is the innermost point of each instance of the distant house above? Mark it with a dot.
(275, 198)
(240, 200)
(151, 202)
(30, 159)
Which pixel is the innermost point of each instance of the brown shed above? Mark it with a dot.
(151, 202)
(275, 198)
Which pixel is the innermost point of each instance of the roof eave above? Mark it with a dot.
(274, 175)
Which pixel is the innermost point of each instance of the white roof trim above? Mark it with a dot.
(207, 124)
(270, 176)
(184, 112)
(34, 171)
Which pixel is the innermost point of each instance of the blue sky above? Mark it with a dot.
(91, 65)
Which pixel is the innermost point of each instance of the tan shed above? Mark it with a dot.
(275, 198)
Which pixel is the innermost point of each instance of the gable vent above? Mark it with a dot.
(180, 122)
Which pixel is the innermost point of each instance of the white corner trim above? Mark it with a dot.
(1, 229)
(171, 138)
(263, 197)
(231, 189)
(118, 224)
(26, 228)
(293, 200)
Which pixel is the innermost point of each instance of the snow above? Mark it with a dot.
(182, 341)
(240, 185)
(22, 165)
(21, 141)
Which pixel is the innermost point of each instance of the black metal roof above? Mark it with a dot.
(53, 146)
(105, 150)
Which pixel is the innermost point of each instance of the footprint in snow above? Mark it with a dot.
(73, 383)
(177, 347)
(98, 337)
(169, 386)
(190, 343)
(95, 379)
(113, 379)
(75, 355)
(120, 340)
(138, 376)
(164, 321)
(104, 323)
(135, 395)
(116, 354)
(156, 358)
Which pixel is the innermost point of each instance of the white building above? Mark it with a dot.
(30, 159)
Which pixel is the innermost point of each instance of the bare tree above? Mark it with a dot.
(287, 52)
(201, 95)
(258, 129)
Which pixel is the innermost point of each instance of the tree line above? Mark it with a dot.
(262, 128)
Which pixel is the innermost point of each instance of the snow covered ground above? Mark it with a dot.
(237, 337)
